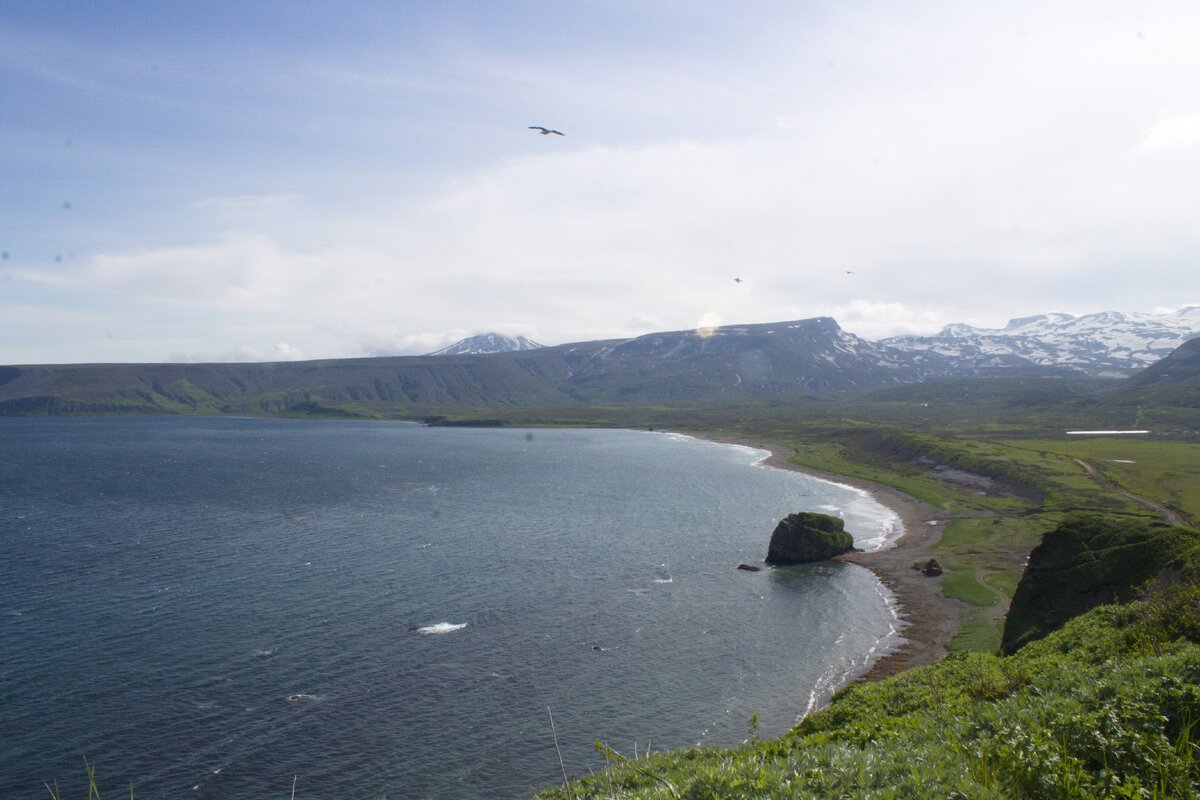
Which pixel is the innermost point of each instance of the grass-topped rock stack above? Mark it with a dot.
(805, 537)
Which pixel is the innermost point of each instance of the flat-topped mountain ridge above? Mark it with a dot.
(813, 358)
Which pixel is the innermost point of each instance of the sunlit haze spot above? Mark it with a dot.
(708, 324)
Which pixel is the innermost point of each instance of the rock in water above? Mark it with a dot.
(808, 536)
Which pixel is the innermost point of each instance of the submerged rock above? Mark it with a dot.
(808, 536)
(749, 567)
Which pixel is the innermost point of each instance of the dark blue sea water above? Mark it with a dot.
(211, 608)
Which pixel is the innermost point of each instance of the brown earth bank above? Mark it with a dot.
(930, 618)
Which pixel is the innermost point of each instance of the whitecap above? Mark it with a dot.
(301, 698)
(441, 627)
(664, 580)
(263, 653)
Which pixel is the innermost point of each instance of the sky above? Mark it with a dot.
(231, 181)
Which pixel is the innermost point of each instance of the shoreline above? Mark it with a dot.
(929, 619)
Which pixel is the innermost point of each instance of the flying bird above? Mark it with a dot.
(737, 280)
(545, 131)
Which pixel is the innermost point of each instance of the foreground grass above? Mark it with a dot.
(1105, 707)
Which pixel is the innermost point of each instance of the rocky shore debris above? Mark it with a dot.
(749, 567)
(930, 568)
(808, 536)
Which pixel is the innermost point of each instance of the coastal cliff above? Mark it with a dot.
(1087, 561)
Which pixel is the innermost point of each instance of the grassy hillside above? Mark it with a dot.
(1088, 560)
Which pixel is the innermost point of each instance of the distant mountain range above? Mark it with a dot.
(1109, 344)
(487, 343)
(811, 358)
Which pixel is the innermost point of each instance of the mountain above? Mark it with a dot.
(811, 358)
(1107, 344)
(1181, 369)
(802, 358)
(487, 343)
(779, 359)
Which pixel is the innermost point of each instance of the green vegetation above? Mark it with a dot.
(1105, 707)
(1087, 560)
(808, 536)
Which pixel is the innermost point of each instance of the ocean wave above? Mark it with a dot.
(847, 669)
(760, 455)
(440, 627)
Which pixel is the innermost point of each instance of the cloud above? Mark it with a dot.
(879, 320)
(1173, 133)
(280, 352)
(244, 202)
(392, 342)
(966, 163)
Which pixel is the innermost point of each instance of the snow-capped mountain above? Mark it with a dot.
(1106, 344)
(487, 343)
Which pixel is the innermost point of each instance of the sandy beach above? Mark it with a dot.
(930, 618)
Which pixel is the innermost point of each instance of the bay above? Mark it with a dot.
(215, 607)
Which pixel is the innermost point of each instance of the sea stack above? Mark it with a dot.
(807, 536)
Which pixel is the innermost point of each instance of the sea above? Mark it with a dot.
(256, 608)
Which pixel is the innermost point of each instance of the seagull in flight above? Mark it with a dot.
(545, 131)
(737, 280)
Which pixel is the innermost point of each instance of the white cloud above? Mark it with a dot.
(392, 342)
(280, 352)
(1173, 133)
(244, 202)
(880, 320)
(966, 163)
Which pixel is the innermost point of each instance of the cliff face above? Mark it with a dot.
(1087, 561)
(806, 536)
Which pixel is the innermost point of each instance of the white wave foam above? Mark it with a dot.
(842, 673)
(760, 455)
(664, 580)
(441, 627)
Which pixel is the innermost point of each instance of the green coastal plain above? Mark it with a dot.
(1075, 671)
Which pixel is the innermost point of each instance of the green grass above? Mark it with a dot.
(980, 634)
(1165, 471)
